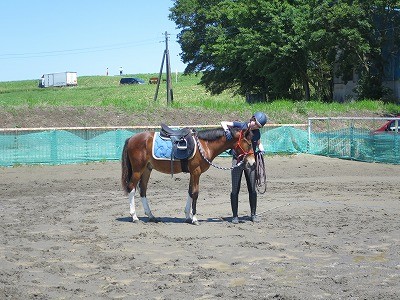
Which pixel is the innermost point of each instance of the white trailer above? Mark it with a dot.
(59, 79)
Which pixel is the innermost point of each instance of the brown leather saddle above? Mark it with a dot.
(183, 144)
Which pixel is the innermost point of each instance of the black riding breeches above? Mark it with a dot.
(250, 175)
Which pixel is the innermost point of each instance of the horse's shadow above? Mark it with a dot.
(173, 220)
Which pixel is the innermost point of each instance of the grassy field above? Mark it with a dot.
(105, 92)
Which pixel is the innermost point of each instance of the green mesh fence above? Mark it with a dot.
(357, 144)
(285, 139)
(61, 146)
(362, 139)
(25, 147)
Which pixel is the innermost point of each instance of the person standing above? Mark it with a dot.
(257, 121)
(121, 70)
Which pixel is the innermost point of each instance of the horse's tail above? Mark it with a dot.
(126, 168)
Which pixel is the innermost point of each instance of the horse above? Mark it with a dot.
(137, 163)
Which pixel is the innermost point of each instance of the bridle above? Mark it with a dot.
(239, 162)
(244, 153)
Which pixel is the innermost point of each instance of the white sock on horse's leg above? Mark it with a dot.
(188, 208)
(194, 219)
(146, 207)
(132, 209)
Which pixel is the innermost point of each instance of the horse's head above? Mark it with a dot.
(240, 143)
(243, 146)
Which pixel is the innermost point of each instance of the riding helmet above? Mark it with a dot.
(260, 118)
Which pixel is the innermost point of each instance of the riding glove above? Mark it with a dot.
(228, 134)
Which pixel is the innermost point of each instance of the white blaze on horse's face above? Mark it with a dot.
(250, 160)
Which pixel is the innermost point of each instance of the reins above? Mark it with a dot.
(210, 162)
(261, 175)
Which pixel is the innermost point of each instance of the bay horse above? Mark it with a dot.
(138, 162)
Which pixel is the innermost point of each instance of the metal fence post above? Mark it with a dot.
(53, 147)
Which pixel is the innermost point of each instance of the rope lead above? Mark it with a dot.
(210, 162)
(261, 175)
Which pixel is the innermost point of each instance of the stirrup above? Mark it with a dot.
(182, 144)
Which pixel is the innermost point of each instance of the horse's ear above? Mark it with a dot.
(248, 133)
(232, 129)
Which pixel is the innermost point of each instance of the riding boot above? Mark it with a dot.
(234, 205)
(253, 207)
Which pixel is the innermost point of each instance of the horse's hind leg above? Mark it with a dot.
(132, 206)
(143, 189)
(132, 209)
(136, 177)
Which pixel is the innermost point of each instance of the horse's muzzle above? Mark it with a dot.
(250, 160)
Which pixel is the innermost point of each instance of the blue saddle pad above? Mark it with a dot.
(162, 147)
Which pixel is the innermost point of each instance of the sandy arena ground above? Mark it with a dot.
(330, 230)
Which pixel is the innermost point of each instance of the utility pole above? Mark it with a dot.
(170, 95)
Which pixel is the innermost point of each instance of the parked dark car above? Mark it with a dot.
(131, 80)
(389, 126)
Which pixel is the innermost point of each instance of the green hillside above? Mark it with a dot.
(106, 92)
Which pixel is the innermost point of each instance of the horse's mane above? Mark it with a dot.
(214, 134)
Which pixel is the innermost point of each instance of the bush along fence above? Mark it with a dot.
(80, 145)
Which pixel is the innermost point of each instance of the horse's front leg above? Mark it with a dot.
(193, 194)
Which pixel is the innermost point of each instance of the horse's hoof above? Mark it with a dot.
(154, 220)
(135, 220)
(196, 222)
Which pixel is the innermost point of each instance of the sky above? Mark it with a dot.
(85, 36)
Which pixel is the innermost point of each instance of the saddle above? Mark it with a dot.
(183, 144)
(169, 132)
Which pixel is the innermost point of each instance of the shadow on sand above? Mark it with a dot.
(173, 220)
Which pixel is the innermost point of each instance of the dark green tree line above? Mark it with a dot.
(287, 49)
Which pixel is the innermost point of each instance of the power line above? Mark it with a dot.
(78, 50)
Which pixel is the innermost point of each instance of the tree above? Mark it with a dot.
(384, 41)
(278, 48)
(336, 44)
(249, 46)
